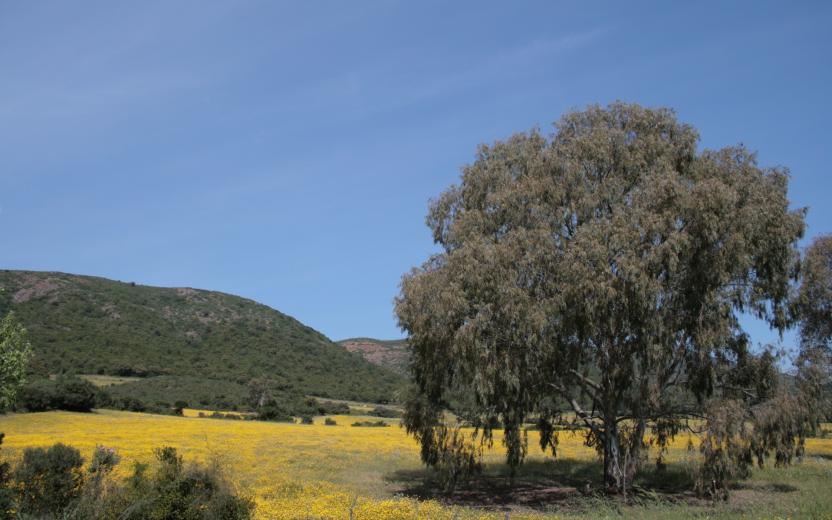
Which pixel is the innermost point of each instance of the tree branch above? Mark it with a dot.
(586, 382)
(580, 412)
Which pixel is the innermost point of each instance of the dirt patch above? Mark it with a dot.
(378, 354)
(111, 311)
(207, 318)
(34, 287)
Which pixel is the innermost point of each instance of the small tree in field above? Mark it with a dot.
(15, 352)
(596, 276)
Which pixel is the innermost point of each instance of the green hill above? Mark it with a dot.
(174, 338)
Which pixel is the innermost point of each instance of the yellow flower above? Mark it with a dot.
(292, 471)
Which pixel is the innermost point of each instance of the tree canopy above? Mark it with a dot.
(596, 276)
(814, 307)
(814, 299)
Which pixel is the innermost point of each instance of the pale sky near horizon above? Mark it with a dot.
(286, 152)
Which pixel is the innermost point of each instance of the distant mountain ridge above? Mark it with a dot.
(392, 354)
(91, 325)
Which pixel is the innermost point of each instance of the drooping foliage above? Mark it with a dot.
(814, 298)
(597, 276)
(814, 307)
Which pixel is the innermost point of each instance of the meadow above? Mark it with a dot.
(295, 471)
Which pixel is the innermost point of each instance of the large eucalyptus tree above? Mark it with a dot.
(596, 275)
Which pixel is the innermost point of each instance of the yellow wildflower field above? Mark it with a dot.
(292, 471)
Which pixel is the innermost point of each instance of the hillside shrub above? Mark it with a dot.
(75, 394)
(274, 412)
(129, 404)
(68, 393)
(383, 411)
(312, 406)
(372, 424)
(230, 416)
(35, 397)
(179, 407)
(330, 422)
(333, 409)
(307, 419)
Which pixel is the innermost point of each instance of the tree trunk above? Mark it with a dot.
(612, 458)
(621, 462)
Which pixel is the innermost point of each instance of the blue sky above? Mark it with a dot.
(287, 152)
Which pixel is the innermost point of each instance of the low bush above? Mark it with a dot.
(75, 394)
(330, 422)
(49, 480)
(221, 415)
(35, 397)
(374, 424)
(69, 393)
(274, 412)
(176, 490)
(328, 408)
(129, 404)
(6, 493)
(383, 411)
(103, 460)
(50, 484)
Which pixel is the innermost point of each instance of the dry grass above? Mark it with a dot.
(104, 381)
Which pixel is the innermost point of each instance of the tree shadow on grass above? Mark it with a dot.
(565, 484)
(769, 487)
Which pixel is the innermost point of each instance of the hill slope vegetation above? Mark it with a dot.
(175, 337)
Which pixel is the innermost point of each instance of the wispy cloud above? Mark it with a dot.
(507, 63)
(90, 70)
(380, 86)
(89, 100)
